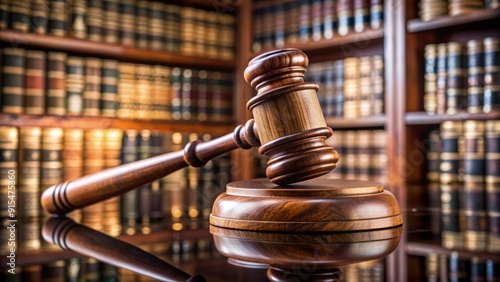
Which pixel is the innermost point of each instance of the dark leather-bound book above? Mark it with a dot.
(56, 83)
(35, 78)
(141, 24)
(156, 24)
(258, 30)
(30, 161)
(39, 16)
(176, 87)
(441, 80)
(366, 95)
(75, 85)
(54, 271)
(20, 15)
(189, 94)
(329, 18)
(111, 14)
(171, 30)
(58, 17)
(78, 19)
(9, 148)
(492, 155)
(157, 214)
(145, 150)
(127, 23)
(95, 20)
(491, 74)
(142, 96)
(456, 95)
(430, 78)
(92, 92)
(376, 14)
(279, 25)
(126, 90)
(344, 16)
(112, 158)
(361, 15)
(4, 15)
(305, 24)
(475, 76)
(13, 80)
(377, 77)
(109, 88)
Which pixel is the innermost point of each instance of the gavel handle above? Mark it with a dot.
(67, 196)
(83, 240)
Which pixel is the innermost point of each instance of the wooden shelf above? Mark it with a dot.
(43, 256)
(118, 52)
(264, 4)
(417, 25)
(337, 40)
(82, 122)
(361, 122)
(422, 118)
(425, 248)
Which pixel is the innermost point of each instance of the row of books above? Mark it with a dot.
(301, 21)
(55, 83)
(363, 155)
(462, 77)
(457, 268)
(350, 88)
(369, 271)
(43, 157)
(433, 9)
(143, 24)
(463, 160)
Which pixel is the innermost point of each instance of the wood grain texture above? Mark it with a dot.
(69, 235)
(316, 205)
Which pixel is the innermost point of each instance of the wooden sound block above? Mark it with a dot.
(317, 205)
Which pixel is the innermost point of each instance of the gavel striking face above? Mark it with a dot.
(288, 123)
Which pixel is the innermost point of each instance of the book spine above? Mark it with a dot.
(127, 23)
(187, 35)
(258, 30)
(221, 96)
(203, 108)
(491, 74)
(279, 25)
(361, 18)
(78, 19)
(378, 156)
(95, 20)
(51, 166)
(292, 28)
(156, 23)
(456, 98)
(377, 77)
(75, 83)
(30, 144)
(126, 90)
(316, 20)
(329, 15)
(171, 30)
(112, 158)
(474, 150)
(111, 14)
(165, 92)
(72, 154)
(13, 70)
(474, 220)
(339, 98)
(193, 195)
(475, 76)
(492, 156)
(433, 156)
(366, 97)
(9, 148)
(54, 271)
(349, 162)
(19, 15)
(351, 87)
(227, 37)
(188, 105)
(109, 88)
(451, 133)
(376, 14)
(141, 28)
(91, 270)
(208, 194)
(58, 17)
(93, 162)
(92, 90)
(477, 270)
(199, 34)
(129, 202)
(362, 160)
(305, 24)
(176, 86)
(34, 99)
(451, 235)
(156, 211)
(56, 83)
(457, 268)
(345, 16)
(430, 77)
(442, 74)
(4, 14)
(39, 16)
(142, 96)
(329, 89)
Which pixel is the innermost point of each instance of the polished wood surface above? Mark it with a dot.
(86, 241)
(316, 205)
(288, 123)
(310, 256)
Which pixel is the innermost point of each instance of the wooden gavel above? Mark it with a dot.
(288, 122)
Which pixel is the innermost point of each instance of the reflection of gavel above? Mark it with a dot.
(288, 123)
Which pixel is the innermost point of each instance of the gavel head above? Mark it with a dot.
(291, 125)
